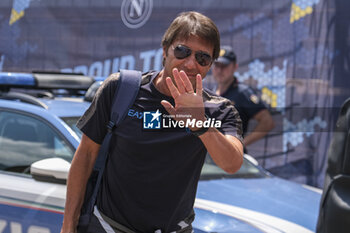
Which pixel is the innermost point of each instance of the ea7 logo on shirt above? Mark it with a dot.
(151, 120)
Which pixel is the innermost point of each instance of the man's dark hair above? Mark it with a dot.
(189, 24)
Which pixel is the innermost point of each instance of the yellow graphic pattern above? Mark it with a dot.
(269, 97)
(222, 52)
(298, 13)
(15, 16)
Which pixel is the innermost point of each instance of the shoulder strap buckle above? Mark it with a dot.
(110, 126)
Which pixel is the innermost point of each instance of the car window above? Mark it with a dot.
(72, 123)
(25, 139)
(248, 170)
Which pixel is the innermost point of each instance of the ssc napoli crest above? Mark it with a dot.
(135, 13)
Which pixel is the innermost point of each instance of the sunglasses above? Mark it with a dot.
(182, 51)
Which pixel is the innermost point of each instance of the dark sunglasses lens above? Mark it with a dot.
(203, 59)
(182, 52)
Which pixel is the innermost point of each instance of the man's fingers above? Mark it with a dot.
(186, 81)
(199, 85)
(179, 83)
(168, 107)
(172, 88)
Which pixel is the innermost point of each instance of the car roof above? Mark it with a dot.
(45, 89)
(66, 107)
(59, 107)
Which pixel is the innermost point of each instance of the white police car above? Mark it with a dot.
(38, 138)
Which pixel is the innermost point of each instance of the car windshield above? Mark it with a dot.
(209, 171)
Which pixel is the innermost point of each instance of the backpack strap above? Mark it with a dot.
(127, 89)
(125, 96)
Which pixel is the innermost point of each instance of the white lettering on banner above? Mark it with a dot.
(106, 65)
(2, 59)
(115, 67)
(109, 66)
(96, 69)
(16, 227)
(158, 60)
(147, 58)
(81, 69)
(36, 229)
(127, 62)
(3, 224)
(155, 55)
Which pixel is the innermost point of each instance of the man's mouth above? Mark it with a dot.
(192, 75)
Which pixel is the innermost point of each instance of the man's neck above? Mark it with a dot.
(223, 87)
(160, 83)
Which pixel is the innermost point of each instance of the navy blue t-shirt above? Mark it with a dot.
(151, 176)
(246, 101)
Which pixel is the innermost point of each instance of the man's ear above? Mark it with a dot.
(164, 56)
(165, 52)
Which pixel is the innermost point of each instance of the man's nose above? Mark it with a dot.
(190, 62)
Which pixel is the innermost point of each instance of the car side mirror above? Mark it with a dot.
(53, 170)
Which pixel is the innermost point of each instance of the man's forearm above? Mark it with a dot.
(75, 194)
(225, 150)
(265, 124)
(253, 137)
(79, 173)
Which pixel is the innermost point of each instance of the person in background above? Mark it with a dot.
(244, 98)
